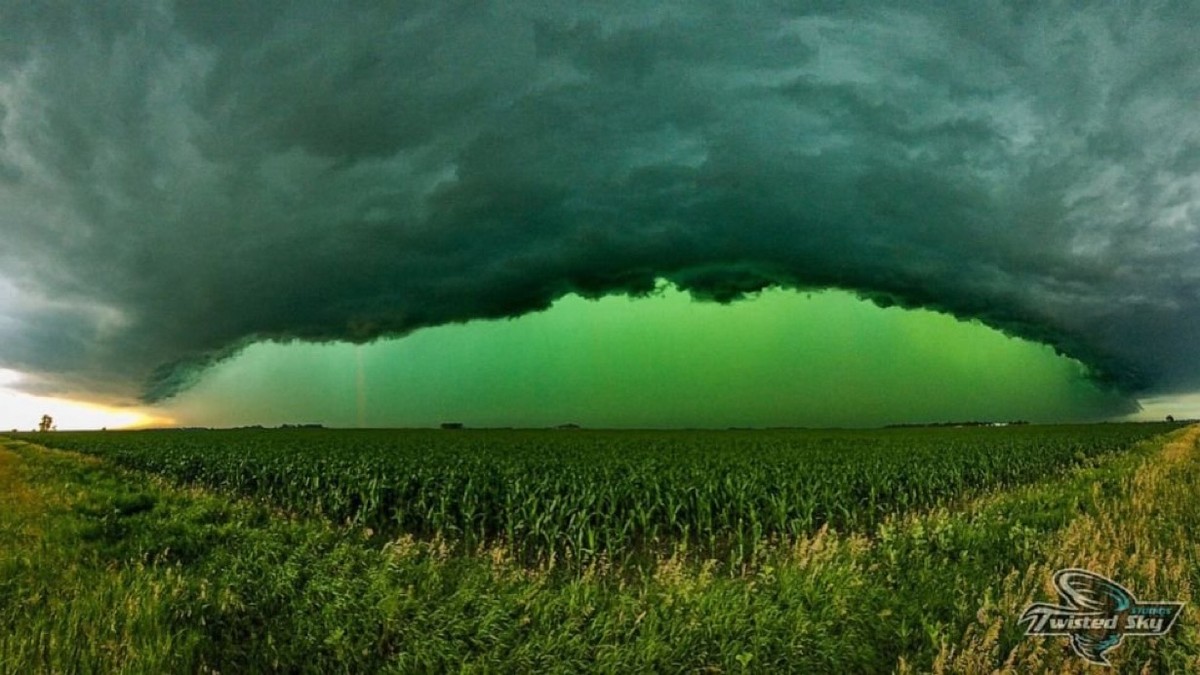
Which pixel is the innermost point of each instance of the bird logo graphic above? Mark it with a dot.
(1096, 613)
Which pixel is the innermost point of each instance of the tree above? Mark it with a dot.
(1170, 418)
(46, 424)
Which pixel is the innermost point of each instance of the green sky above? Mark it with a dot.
(782, 358)
(171, 189)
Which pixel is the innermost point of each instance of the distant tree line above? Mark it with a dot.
(972, 423)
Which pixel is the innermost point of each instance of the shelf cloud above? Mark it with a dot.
(180, 180)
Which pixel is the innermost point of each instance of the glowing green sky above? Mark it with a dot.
(171, 189)
(782, 358)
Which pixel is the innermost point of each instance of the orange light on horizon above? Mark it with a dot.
(22, 411)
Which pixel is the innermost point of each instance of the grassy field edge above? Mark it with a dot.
(105, 570)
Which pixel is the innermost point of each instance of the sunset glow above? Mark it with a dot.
(23, 411)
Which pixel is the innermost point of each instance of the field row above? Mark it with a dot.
(581, 494)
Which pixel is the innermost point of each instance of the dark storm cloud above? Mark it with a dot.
(177, 180)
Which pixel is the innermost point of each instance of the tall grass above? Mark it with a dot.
(107, 570)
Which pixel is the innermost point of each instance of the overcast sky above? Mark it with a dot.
(180, 180)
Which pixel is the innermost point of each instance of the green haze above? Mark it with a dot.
(779, 359)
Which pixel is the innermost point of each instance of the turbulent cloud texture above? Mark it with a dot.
(180, 179)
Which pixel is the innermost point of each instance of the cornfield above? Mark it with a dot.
(579, 495)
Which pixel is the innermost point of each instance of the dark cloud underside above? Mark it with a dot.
(180, 179)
